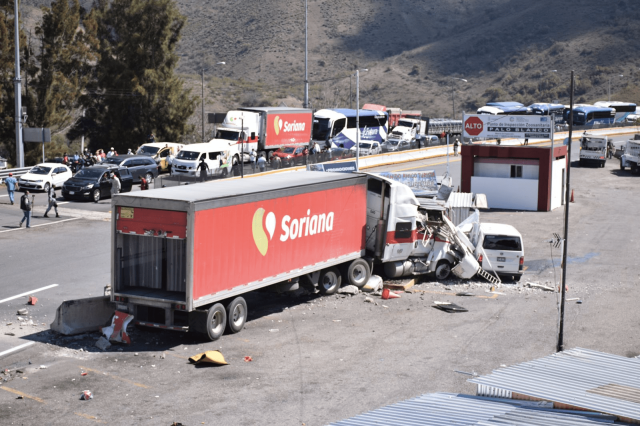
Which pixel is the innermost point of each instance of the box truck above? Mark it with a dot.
(265, 130)
(593, 149)
(183, 257)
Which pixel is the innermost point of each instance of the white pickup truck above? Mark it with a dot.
(631, 155)
(593, 150)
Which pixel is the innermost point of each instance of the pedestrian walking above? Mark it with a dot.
(253, 157)
(610, 149)
(116, 186)
(526, 141)
(25, 206)
(51, 195)
(12, 185)
(262, 163)
(202, 168)
(456, 146)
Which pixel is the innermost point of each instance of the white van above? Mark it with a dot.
(187, 160)
(500, 250)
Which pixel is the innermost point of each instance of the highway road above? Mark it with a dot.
(326, 349)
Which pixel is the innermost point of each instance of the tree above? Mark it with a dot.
(66, 58)
(135, 91)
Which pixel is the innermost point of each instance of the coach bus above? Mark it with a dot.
(337, 127)
(554, 110)
(589, 115)
(504, 108)
(623, 109)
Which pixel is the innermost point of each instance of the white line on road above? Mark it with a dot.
(63, 202)
(42, 224)
(5, 195)
(17, 348)
(29, 292)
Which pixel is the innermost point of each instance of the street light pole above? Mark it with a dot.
(306, 76)
(18, 89)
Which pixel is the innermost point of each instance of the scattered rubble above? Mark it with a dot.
(103, 343)
(374, 284)
(86, 395)
(540, 286)
(23, 311)
(349, 289)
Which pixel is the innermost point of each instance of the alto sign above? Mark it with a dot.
(487, 126)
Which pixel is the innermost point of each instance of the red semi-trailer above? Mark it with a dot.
(183, 257)
(179, 249)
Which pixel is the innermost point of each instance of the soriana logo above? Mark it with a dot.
(290, 228)
(286, 126)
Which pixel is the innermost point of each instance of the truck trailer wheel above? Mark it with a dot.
(443, 270)
(358, 273)
(216, 321)
(329, 281)
(236, 314)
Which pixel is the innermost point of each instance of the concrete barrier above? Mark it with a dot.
(82, 315)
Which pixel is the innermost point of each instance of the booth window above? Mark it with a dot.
(516, 171)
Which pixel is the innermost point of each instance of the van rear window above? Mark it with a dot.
(502, 242)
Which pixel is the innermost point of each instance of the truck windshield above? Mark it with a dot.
(188, 155)
(502, 242)
(228, 135)
(147, 150)
(405, 123)
(321, 127)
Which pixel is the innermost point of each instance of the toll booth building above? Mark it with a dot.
(515, 177)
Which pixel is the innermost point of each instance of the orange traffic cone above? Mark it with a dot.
(571, 200)
(387, 294)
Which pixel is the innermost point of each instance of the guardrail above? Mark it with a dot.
(16, 172)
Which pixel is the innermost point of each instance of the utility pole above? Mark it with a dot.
(18, 89)
(202, 98)
(306, 76)
(357, 120)
(567, 197)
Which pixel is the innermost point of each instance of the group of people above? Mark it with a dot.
(26, 204)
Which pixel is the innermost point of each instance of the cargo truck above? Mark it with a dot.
(593, 150)
(265, 130)
(631, 156)
(183, 257)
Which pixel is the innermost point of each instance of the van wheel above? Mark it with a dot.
(329, 281)
(236, 314)
(443, 270)
(216, 321)
(358, 273)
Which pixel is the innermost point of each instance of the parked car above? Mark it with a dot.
(162, 152)
(500, 250)
(139, 166)
(92, 183)
(394, 145)
(368, 148)
(45, 175)
(291, 155)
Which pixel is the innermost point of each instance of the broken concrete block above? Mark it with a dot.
(368, 300)
(348, 289)
(103, 343)
(22, 311)
(374, 284)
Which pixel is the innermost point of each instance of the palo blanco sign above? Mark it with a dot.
(487, 126)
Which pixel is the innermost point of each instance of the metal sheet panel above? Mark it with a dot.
(574, 378)
(458, 409)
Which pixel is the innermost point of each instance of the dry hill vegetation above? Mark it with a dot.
(506, 49)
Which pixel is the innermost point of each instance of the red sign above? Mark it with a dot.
(473, 126)
(289, 129)
(240, 244)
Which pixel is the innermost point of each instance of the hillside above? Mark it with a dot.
(506, 49)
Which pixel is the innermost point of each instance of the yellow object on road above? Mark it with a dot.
(212, 357)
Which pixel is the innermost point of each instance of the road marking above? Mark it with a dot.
(42, 224)
(6, 195)
(63, 202)
(427, 165)
(140, 385)
(89, 417)
(29, 292)
(17, 348)
(22, 394)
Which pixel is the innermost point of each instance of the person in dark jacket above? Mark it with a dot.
(202, 168)
(25, 206)
(51, 196)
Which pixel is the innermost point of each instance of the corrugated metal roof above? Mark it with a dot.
(458, 409)
(460, 199)
(577, 377)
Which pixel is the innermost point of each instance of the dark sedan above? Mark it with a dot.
(139, 166)
(93, 183)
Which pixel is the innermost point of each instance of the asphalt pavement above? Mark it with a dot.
(314, 359)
